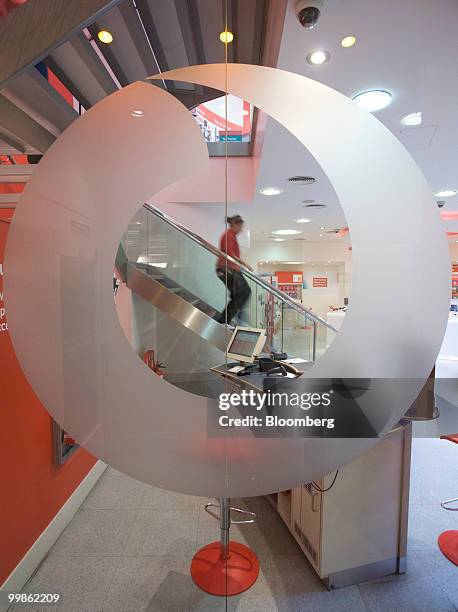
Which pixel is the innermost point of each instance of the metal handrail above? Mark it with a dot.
(300, 308)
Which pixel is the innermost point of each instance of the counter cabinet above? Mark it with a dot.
(357, 530)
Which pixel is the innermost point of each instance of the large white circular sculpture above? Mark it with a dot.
(58, 281)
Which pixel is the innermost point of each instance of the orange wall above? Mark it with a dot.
(33, 489)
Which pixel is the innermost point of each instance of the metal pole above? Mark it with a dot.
(224, 523)
(314, 342)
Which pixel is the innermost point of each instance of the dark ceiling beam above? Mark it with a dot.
(64, 79)
(234, 25)
(153, 37)
(94, 64)
(188, 17)
(191, 99)
(109, 55)
(135, 28)
(272, 31)
(259, 30)
(32, 92)
(24, 127)
(33, 30)
(11, 141)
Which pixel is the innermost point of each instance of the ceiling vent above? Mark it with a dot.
(313, 205)
(301, 180)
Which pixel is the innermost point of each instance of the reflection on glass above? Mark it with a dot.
(211, 118)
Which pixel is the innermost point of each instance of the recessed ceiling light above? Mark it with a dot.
(279, 240)
(270, 191)
(105, 36)
(137, 113)
(303, 220)
(322, 227)
(374, 100)
(226, 37)
(348, 41)
(318, 57)
(412, 119)
(286, 232)
(446, 193)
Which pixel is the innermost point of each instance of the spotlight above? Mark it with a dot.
(105, 36)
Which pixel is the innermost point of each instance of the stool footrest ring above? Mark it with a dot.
(445, 504)
(208, 509)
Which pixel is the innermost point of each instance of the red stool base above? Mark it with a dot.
(448, 544)
(221, 577)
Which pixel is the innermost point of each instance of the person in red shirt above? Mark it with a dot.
(231, 275)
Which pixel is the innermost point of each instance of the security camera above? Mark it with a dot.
(308, 12)
(441, 203)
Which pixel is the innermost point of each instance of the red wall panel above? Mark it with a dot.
(33, 487)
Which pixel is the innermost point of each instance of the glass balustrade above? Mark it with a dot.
(185, 265)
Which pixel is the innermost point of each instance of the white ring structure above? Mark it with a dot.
(59, 264)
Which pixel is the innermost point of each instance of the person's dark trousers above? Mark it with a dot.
(239, 292)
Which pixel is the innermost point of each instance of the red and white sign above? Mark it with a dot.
(320, 281)
(286, 277)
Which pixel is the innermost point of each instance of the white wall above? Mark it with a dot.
(317, 299)
(331, 259)
(207, 220)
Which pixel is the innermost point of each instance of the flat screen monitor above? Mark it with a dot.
(246, 343)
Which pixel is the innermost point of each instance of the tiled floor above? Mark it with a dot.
(129, 546)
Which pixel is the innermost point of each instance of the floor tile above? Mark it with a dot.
(435, 565)
(150, 584)
(81, 582)
(425, 525)
(96, 533)
(168, 500)
(419, 494)
(440, 485)
(171, 533)
(434, 455)
(279, 538)
(412, 592)
(116, 491)
(298, 590)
